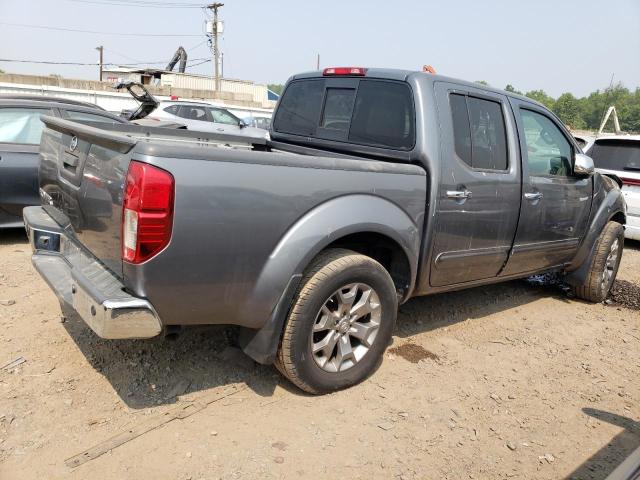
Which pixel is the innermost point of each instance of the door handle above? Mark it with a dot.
(459, 194)
(533, 196)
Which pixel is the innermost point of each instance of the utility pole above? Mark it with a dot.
(318, 62)
(216, 51)
(101, 50)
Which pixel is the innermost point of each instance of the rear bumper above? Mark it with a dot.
(82, 282)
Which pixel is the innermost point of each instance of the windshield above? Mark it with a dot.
(616, 155)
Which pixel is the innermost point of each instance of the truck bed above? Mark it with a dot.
(245, 221)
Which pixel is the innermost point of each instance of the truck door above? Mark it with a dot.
(479, 188)
(555, 204)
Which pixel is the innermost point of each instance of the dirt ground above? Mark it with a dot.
(507, 381)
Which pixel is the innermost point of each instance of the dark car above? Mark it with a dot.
(20, 132)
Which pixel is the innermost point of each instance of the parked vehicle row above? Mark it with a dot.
(198, 116)
(20, 131)
(376, 186)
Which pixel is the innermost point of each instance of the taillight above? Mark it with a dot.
(147, 216)
(635, 182)
(357, 71)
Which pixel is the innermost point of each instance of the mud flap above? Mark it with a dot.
(262, 344)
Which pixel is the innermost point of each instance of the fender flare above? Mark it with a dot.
(308, 236)
(611, 203)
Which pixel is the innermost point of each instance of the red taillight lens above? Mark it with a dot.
(635, 182)
(357, 71)
(147, 216)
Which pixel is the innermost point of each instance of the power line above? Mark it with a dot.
(48, 62)
(46, 27)
(199, 63)
(197, 45)
(142, 4)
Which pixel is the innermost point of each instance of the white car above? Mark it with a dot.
(197, 116)
(204, 117)
(619, 156)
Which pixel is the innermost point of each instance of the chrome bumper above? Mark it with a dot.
(82, 282)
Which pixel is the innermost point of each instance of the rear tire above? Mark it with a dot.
(340, 322)
(604, 265)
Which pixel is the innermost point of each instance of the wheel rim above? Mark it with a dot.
(346, 327)
(610, 265)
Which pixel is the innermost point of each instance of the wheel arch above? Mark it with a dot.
(381, 230)
(608, 205)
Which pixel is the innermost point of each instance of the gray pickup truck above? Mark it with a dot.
(376, 186)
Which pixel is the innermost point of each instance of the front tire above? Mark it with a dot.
(604, 265)
(340, 322)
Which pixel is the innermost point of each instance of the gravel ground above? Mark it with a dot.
(506, 381)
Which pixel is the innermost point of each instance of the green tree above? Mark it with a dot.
(568, 108)
(512, 89)
(542, 97)
(276, 88)
(482, 82)
(632, 120)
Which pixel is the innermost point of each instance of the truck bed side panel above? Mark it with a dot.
(231, 214)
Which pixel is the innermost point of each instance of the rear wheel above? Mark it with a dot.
(340, 322)
(604, 265)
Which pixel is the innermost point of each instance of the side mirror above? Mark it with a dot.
(583, 165)
(242, 124)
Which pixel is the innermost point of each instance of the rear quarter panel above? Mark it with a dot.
(245, 222)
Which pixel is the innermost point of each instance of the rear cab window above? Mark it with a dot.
(371, 112)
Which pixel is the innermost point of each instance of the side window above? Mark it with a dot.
(479, 132)
(173, 109)
(548, 151)
(21, 125)
(221, 116)
(89, 117)
(488, 134)
(461, 128)
(194, 113)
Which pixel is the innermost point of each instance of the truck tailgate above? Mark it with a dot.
(81, 176)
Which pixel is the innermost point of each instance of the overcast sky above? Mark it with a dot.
(556, 45)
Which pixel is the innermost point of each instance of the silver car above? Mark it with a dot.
(197, 116)
(204, 117)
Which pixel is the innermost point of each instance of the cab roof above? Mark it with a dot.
(405, 75)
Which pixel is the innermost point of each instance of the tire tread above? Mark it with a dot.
(326, 263)
(590, 289)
